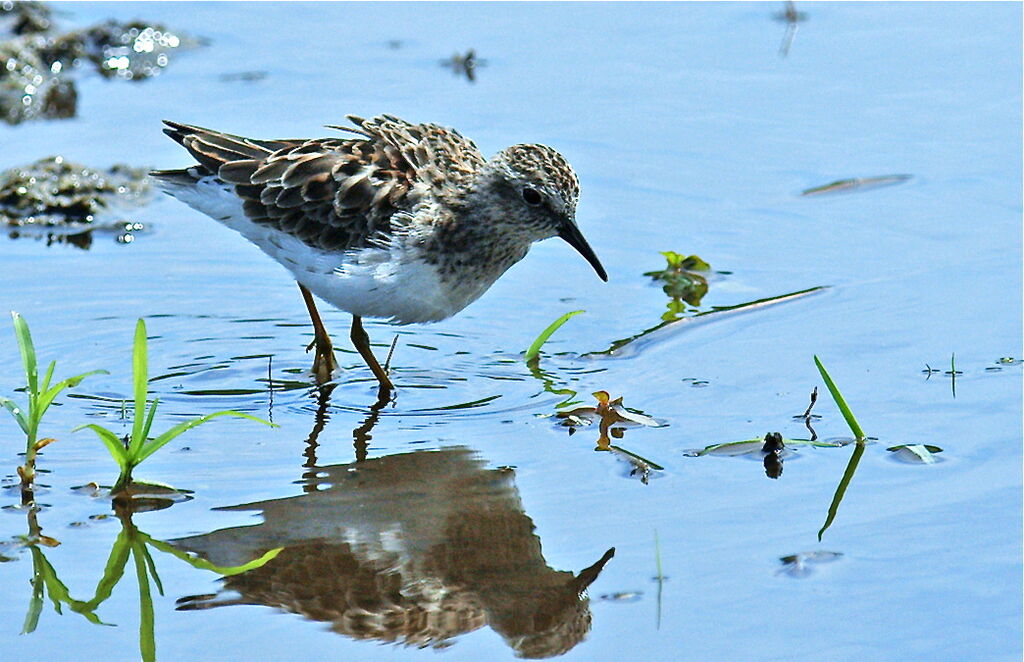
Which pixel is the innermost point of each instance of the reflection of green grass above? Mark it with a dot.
(660, 577)
(130, 543)
(858, 451)
(40, 396)
(139, 446)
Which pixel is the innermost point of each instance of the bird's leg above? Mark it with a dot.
(361, 341)
(324, 364)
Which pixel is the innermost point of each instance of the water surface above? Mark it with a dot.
(690, 133)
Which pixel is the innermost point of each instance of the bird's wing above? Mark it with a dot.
(331, 193)
(443, 159)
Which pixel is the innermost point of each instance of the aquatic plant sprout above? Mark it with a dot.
(534, 351)
(40, 396)
(133, 450)
(840, 402)
(858, 451)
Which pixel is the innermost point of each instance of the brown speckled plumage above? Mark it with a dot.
(401, 221)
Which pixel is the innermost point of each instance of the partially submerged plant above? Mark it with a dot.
(858, 433)
(858, 451)
(682, 281)
(533, 353)
(40, 396)
(131, 451)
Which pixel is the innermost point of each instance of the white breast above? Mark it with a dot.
(391, 283)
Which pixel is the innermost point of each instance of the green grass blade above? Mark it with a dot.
(47, 396)
(139, 375)
(840, 402)
(46, 379)
(149, 421)
(534, 349)
(16, 412)
(156, 444)
(111, 441)
(837, 498)
(203, 564)
(72, 382)
(28, 353)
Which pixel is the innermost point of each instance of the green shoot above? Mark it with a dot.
(41, 395)
(534, 351)
(138, 446)
(858, 433)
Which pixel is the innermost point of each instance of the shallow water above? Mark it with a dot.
(691, 133)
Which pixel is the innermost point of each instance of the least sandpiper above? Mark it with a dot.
(406, 222)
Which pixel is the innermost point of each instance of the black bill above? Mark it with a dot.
(572, 235)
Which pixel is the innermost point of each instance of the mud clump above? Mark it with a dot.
(59, 199)
(37, 63)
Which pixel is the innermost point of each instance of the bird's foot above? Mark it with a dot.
(324, 363)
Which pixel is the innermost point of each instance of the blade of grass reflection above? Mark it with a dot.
(46, 582)
(200, 563)
(35, 603)
(851, 468)
(548, 382)
(638, 458)
(858, 433)
(660, 577)
(147, 620)
(462, 405)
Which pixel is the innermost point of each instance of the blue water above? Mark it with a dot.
(690, 132)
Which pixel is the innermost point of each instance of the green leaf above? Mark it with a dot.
(148, 425)
(840, 402)
(28, 352)
(46, 398)
(49, 375)
(923, 453)
(16, 412)
(139, 374)
(534, 349)
(111, 441)
(203, 564)
(156, 444)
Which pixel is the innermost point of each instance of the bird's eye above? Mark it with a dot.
(532, 196)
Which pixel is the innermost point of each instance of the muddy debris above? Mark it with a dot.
(25, 17)
(59, 200)
(37, 63)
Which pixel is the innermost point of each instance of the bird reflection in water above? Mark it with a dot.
(413, 548)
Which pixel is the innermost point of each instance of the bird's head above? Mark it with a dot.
(539, 189)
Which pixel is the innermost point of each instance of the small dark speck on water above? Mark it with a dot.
(465, 64)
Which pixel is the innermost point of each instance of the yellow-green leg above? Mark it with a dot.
(324, 363)
(361, 342)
